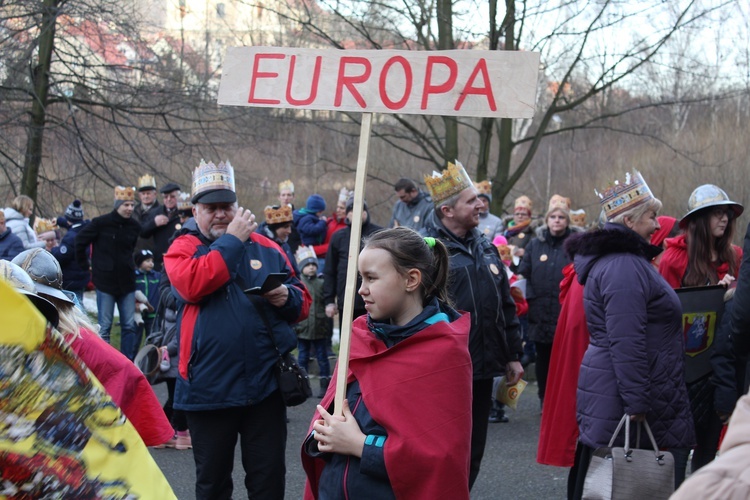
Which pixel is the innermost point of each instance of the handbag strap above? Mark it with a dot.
(625, 420)
(256, 301)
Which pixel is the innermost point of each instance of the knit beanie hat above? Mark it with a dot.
(74, 212)
(142, 256)
(315, 203)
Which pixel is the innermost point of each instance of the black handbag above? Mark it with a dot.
(294, 383)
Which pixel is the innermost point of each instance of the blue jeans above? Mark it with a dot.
(320, 353)
(105, 305)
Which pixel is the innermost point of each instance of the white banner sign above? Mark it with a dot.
(451, 82)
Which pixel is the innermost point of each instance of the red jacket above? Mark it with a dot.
(126, 385)
(420, 391)
(558, 433)
(675, 259)
(333, 226)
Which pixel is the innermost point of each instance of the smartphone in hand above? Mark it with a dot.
(273, 281)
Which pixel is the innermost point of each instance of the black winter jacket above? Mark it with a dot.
(740, 317)
(337, 259)
(478, 283)
(161, 235)
(542, 266)
(113, 240)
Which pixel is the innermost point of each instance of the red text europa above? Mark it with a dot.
(354, 71)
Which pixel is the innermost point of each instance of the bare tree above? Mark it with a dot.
(594, 55)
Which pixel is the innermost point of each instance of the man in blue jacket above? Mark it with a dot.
(75, 279)
(10, 244)
(230, 341)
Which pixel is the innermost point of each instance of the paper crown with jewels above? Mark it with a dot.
(484, 187)
(278, 214)
(286, 185)
(146, 182)
(42, 225)
(451, 181)
(304, 256)
(183, 202)
(620, 197)
(124, 193)
(524, 202)
(209, 177)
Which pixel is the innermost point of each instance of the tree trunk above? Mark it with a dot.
(500, 185)
(445, 42)
(485, 130)
(40, 74)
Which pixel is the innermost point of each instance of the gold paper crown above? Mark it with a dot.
(578, 217)
(623, 196)
(304, 253)
(453, 180)
(210, 177)
(484, 187)
(524, 202)
(558, 201)
(287, 184)
(146, 181)
(124, 193)
(278, 214)
(43, 225)
(183, 201)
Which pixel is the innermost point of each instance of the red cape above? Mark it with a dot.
(675, 259)
(558, 433)
(126, 385)
(420, 391)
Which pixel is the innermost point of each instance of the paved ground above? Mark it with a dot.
(509, 469)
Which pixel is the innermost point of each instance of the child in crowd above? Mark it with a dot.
(497, 413)
(409, 361)
(310, 222)
(147, 282)
(313, 331)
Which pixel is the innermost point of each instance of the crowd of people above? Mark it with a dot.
(451, 300)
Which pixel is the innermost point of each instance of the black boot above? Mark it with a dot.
(324, 381)
(497, 413)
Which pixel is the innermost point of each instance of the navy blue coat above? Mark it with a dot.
(74, 278)
(635, 360)
(10, 245)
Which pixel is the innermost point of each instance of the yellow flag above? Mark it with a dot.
(60, 432)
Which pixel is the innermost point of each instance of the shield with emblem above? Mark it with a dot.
(702, 307)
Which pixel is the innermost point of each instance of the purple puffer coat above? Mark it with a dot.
(634, 363)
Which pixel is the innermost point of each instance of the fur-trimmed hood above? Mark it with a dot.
(587, 248)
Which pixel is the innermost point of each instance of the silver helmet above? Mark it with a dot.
(707, 196)
(22, 282)
(45, 270)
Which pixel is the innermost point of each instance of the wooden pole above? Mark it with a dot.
(351, 269)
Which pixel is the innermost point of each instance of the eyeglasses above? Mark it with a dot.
(720, 212)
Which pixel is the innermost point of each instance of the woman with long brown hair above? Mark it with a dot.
(704, 255)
